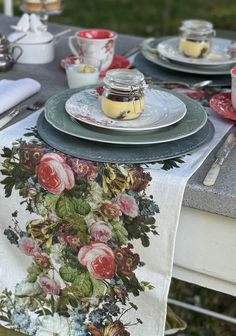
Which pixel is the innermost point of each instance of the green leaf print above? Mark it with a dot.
(78, 227)
(98, 287)
(68, 273)
(65, 206)
(83, 284)
(33, 273)
(119, 232)
(50, 201)
(81, 206)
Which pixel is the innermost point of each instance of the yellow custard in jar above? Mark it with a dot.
(124, 110)
(195, 38)
(123, 95)
(195, 49)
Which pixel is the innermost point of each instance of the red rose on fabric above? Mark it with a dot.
(99, 260)
(100, 231)
(127, 205)
(54, 174)
(49, 285)
(28, 246)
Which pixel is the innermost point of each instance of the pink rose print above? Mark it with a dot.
(100, 231)
(49, 286)
(54, 174)
(127, 205)
(99, 260)
(28, 246)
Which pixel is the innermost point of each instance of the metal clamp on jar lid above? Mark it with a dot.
(195, 38)
(123, 96)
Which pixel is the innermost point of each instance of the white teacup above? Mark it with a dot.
(99, 43)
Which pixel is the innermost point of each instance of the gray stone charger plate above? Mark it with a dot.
(100, 152)
(56, 115)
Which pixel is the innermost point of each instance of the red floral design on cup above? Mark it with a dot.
(28, 246)
(54, 174)
(99, 260)
(127, 205)
(100, 231)
(98, 43)
(49, 286)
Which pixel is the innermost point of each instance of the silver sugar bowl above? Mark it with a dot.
(7, 59)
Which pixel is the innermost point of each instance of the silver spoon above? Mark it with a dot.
(201, 84)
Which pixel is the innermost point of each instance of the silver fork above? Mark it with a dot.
(15, 111)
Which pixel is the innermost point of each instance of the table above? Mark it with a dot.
(205, 247)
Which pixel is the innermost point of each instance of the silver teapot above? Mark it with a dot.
(7, 59)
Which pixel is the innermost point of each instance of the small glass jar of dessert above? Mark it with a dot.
(195, 38)
(123, 94)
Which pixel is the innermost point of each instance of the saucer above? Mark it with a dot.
(221, 104)
(119, 61)
(161, 109)
(222, 52)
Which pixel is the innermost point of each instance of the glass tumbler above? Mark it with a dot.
(82, 71)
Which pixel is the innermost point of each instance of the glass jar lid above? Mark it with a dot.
(124, 79)
(197, 27)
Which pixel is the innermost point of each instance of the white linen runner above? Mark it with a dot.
(167, 187)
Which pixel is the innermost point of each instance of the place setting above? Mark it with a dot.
(125, 120)
(196, 52)
(110, 115)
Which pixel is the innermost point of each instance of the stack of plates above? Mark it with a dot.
(165, 53)
(170, 126)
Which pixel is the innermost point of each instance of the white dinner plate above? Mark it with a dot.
(222, 52)
(161, 109)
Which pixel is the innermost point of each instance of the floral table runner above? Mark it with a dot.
(87, 248)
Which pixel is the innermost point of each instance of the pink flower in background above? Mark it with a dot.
(49, 286)
(84, 168)
(127, 205)
(54, 174)
(100, 231)
(28, 246)
(99, 260)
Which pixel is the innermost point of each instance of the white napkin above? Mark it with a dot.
(12, 92)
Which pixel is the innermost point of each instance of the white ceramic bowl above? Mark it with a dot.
(37, 48)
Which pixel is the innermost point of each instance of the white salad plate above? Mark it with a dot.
(222, 52)
(161, 109)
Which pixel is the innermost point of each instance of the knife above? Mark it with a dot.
(221, 155)
(5, 120)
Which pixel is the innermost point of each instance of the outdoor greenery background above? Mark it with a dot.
(144, 17)
(155, 18)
